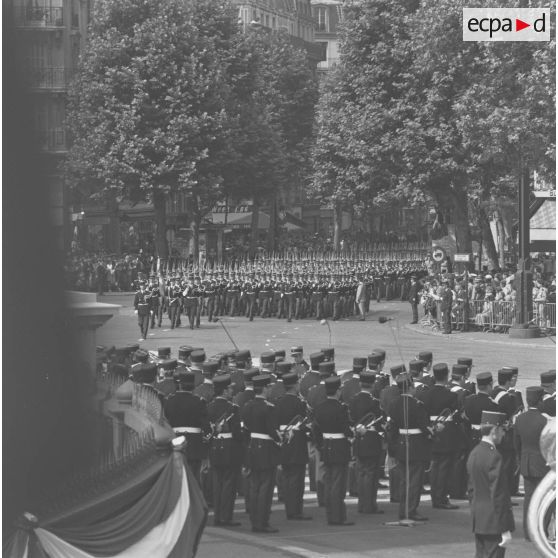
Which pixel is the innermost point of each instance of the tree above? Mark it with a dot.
(147, 110)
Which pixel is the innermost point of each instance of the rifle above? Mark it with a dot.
(367, 423)
(296, 423)
(439, 423)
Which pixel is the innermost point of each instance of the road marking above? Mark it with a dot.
(303, 552)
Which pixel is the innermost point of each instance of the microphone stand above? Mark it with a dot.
(326, 322)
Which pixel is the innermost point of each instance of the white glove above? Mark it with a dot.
(135, 311)
(506, 538)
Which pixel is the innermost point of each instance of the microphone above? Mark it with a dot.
(384, 319)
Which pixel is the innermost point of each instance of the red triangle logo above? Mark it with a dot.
(519, 25)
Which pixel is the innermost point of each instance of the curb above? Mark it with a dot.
(463, 336)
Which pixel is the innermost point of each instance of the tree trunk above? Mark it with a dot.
(254, 226)
(501, 238)
(487, 239)
(272, 233)
(337, 225)
(159, 206)
(456, 199)
(195, 228)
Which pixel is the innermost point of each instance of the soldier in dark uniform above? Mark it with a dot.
(289, 300)
(175, 303)
(548, 383)
(210, 294)
(364, 410)
(446, 306)
(351, 385)
(267, 363)
(243, 361)
(410, 428)
(277, 389)
(142, 306)
(329, 354)
(145, 373)
(376, 361)
(300, 366)
(187, 414)
(437, 400)
(428, 358)
(312, 377)
(474, 405)
(291, 414)
(156, 305)
(225, 452)
(391, 392)
(507, 403)
(491, 506)
(247, 394)
(527, 435)
(205, 390)
(332, 431)
(416, 369)
(260, 422)
(190, 302)
(317, 394)
(197, 358)
(167, 385)
(470, 386)
(414, 297)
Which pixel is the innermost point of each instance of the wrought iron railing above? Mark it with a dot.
(39, 16)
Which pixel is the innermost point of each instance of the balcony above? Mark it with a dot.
(39, 17)
(53, 139)
(51, 78)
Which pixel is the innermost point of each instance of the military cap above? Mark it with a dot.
(282, 368)
(261, 380)
(416, 365)
(533, 395)
(184, 351)
(315, 359)
(332, 384)
(249, 374)
(404, 381)
(222, 380)
(505, 375)
(513, 369)
(290, 379)
(329, 352)
(141, 356)
(267, 357)
(491, 418)
(185, 377)
(163, 352)
(467, 361)
(280, 354)
(375, 358)
(327, 368)
(440, 370)
(359, 363)
(169, 364)
(296, 350)
(426, 356)
(145, 374)
(459, 370)
(197, 356)
(484, 378)
(243, 355)
(380, 352)
(367, 377)
(548, 377)
(396, 370)
(210, 368)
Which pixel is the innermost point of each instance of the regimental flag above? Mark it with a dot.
(160, 513)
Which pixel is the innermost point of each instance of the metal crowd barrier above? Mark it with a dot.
(496, 316)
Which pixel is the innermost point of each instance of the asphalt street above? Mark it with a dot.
(447, 533)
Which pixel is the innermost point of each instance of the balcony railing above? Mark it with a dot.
(50, 77)
(53, 139)
(39, 16)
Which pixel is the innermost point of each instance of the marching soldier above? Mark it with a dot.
(175, 302)
(143, 308)
(156, 305)
(332, 432)
(527, 435)
(260, 422)
(187, 414)
(409, 426)
(292, 414)
(225, 452)
(366, 414)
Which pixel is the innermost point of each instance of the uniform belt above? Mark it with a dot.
(476, 426)
(333, 435)
(187, 430)
(224, 435)
(258, 436)
(437, 418)
(410, 431)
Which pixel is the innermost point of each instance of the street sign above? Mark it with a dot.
(438, 254)
(462, 258)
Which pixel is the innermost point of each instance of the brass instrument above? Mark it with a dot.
(218, 426)
(438, 425)
(296, 423)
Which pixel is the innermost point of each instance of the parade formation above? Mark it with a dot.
(256, 423)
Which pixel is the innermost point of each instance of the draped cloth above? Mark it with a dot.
(166, 520)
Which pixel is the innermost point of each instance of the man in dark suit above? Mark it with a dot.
(414, 297)
(142, 307)
(527, 434)
(410, 423)
(440, 401)
(491, 507)
(225, 452)
(260, 422)
(187, 414)
(291, 412)
(364, 412)
(332, 431)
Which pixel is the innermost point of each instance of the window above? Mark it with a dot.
(322, 19)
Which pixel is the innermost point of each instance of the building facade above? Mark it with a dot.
(327, 14)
